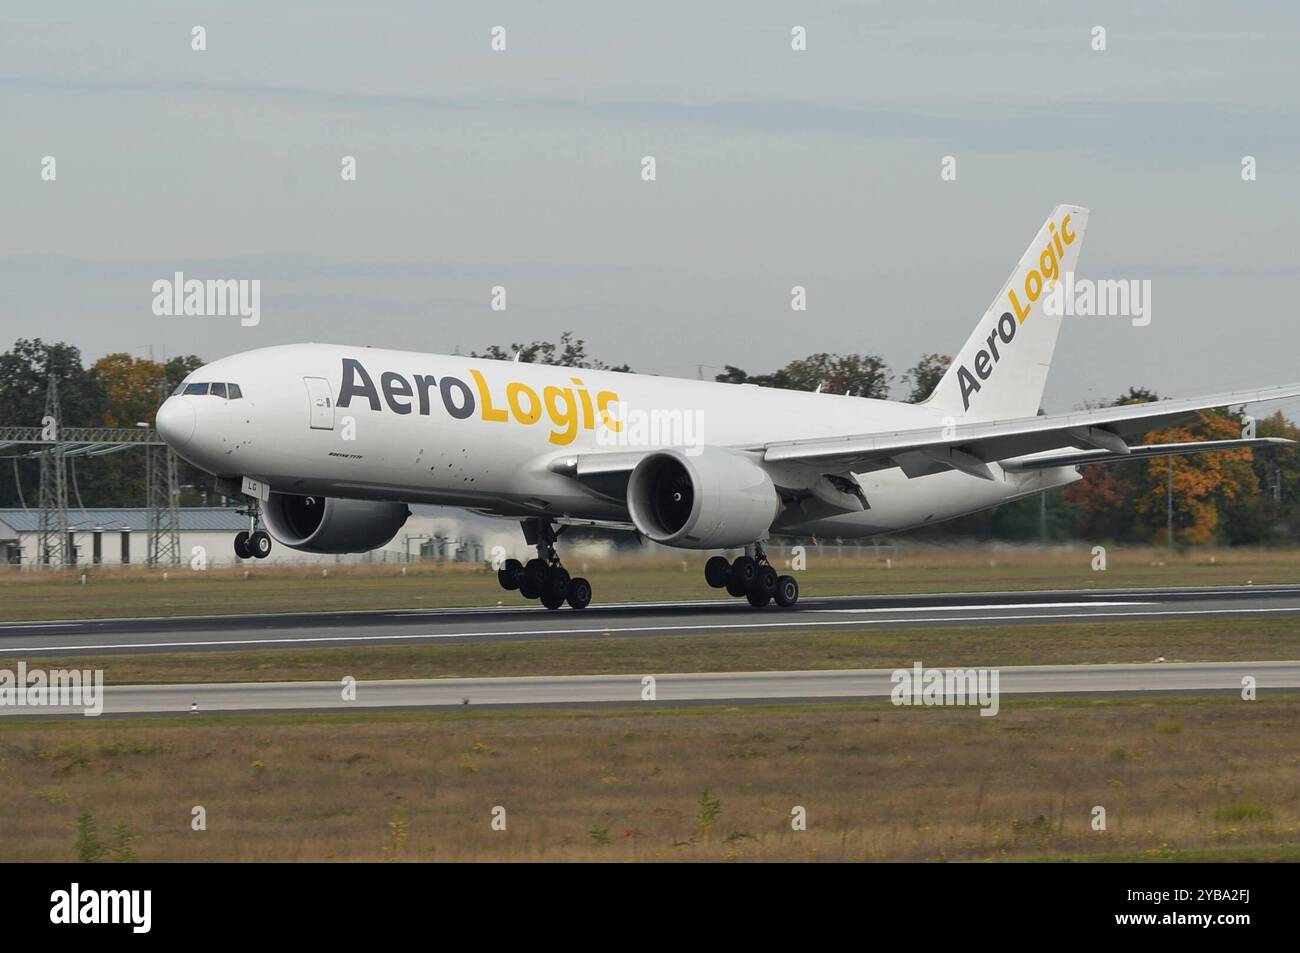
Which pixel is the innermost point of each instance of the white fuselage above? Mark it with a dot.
(365, 423)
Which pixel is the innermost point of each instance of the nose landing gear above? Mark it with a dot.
(254, 543)
(544, 578)
(752, 577)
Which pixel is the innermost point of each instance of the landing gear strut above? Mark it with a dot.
(253, 543)
(753, 577)
(543, 578)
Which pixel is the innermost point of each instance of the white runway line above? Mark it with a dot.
(627, 630)
(1011, 605)
(673, 688)
(1201, 591)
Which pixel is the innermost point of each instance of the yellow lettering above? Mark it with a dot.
(588, 416)
(534, 413)
(603, 400)
(1047, 263)
(485, 399)
(567, 419)
(1065, 231)
(1021, 313)
(1033, 285)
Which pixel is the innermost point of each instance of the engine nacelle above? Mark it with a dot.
(319, 524)
(713, 500)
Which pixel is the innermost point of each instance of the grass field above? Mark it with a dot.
(1178, 778)
(1129, 641)
(107, 593)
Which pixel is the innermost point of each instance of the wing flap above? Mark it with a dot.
(1066, 458)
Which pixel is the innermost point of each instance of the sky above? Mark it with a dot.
(522, 168)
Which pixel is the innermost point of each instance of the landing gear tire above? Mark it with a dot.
(579, 594)
(533, 579)
(787, 591)
(544, 578)
(744, 569)
(740, 578)
(241, 545)
(764, 587)
(752, 577)
(715, 571)
(508, 574)
(259, 544)
(555, 586)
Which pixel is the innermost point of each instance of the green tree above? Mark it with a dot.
(1271, 515)
(118, 391)
(568, 352)
(25, 373)
(862, 375)
(925, 375)
(1136, 395)
(735, 375)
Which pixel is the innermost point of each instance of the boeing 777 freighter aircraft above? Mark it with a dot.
(330, 443)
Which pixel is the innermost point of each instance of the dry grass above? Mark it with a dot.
(1061, 644)
(1210, 777)
(140, 591)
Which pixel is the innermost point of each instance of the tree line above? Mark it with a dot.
(1236, 498)
(118, 390)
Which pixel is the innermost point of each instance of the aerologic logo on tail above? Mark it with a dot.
(1036, 280)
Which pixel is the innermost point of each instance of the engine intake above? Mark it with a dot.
(712, 500)
(319, 524)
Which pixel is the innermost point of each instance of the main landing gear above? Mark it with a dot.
(544, 578)
(254, 543)
(753, 577)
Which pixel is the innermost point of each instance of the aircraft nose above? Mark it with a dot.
(176, 421)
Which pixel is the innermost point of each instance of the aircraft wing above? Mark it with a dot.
(971, 445)
(1081, 458)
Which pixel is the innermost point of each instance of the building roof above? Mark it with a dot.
(192, 519)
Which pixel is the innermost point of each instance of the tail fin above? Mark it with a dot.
(1001, 371)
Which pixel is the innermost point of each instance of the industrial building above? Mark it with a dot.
(113, 536)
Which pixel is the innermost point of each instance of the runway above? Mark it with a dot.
(668, 689)
(517, 620)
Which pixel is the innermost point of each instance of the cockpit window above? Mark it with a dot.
(227, 391)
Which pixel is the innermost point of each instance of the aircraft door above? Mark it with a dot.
(321, 400)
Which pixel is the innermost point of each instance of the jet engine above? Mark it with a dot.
(711, 500)
(319, 524)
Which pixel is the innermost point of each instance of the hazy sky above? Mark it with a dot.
(775, 168)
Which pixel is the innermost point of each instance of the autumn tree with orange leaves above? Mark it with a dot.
(136, 386)
(1103, 501)
(1202, 483)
